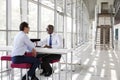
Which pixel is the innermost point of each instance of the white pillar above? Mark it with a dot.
(8, 20)
(24, 10)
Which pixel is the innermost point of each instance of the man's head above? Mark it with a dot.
(50, 29)
(24, 27)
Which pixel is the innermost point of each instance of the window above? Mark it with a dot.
(2, 22)
(2, 38)
(60, 22)
(2, 14)
(43, 35)
(33, 16)
(32, 34)
(16, 18)
(47, 17)
(48, 3)
(11, 35)
(68, 32)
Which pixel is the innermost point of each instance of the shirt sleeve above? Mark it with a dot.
(43, 42)
(28, 43)
(59, 42)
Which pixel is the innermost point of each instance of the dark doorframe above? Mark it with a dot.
(116, 34)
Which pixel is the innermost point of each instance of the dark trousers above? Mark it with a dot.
(46, 60)
(26, 59)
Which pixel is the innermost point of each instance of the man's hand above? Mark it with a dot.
(46, 46)
(36, 43)
(34, 52)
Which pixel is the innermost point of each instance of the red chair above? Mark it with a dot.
(22, 65)
(55, 61)
(4, 58)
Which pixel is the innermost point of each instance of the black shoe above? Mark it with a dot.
(47, 74)
(34, 78)
(24, 77)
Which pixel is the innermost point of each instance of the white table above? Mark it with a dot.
(41, 50)
(54, 51)
(44, 51)
(51, 50)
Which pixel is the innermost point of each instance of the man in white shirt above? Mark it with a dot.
(21, 44)
(51, 41)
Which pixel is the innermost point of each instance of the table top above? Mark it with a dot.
(41, 50)
(54, 51)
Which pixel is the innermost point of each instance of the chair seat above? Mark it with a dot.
(7, 58)
(53, 61)
(21, 65)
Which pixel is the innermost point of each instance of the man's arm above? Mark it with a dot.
(46, 46)
(30, 45)
(59, 43)
(42, 43)
(34, 52)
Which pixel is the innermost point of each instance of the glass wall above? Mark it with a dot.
(16, 17)
(3, 22)
(15, 20)
(66, 15)
(47, 17)
(2, 14)
(48, 3)
(32, 15)
(32, 19)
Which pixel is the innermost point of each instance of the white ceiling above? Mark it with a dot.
(90, 4)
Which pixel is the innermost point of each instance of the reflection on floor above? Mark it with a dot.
(100, 64)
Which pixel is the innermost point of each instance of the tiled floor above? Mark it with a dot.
(100, 64)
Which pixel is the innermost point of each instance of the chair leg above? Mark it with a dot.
(59, 69)
(52, 73)
(1, 70)
(21, 74)
(12, 74)
(59, 66)
(26, 75)
(9, 70)
(39, 70)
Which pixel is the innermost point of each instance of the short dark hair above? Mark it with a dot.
(23, 25)
(50, 26)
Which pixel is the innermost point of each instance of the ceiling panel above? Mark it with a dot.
(90, 4)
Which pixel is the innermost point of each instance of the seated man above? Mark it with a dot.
(21, 44)
(51, 41)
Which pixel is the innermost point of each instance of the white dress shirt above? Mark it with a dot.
(21, 44)
(57, 41)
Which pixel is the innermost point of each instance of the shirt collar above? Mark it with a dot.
(52, 34)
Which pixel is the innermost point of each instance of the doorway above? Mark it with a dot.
(105, 35)
(116, 34)
(104, 7)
